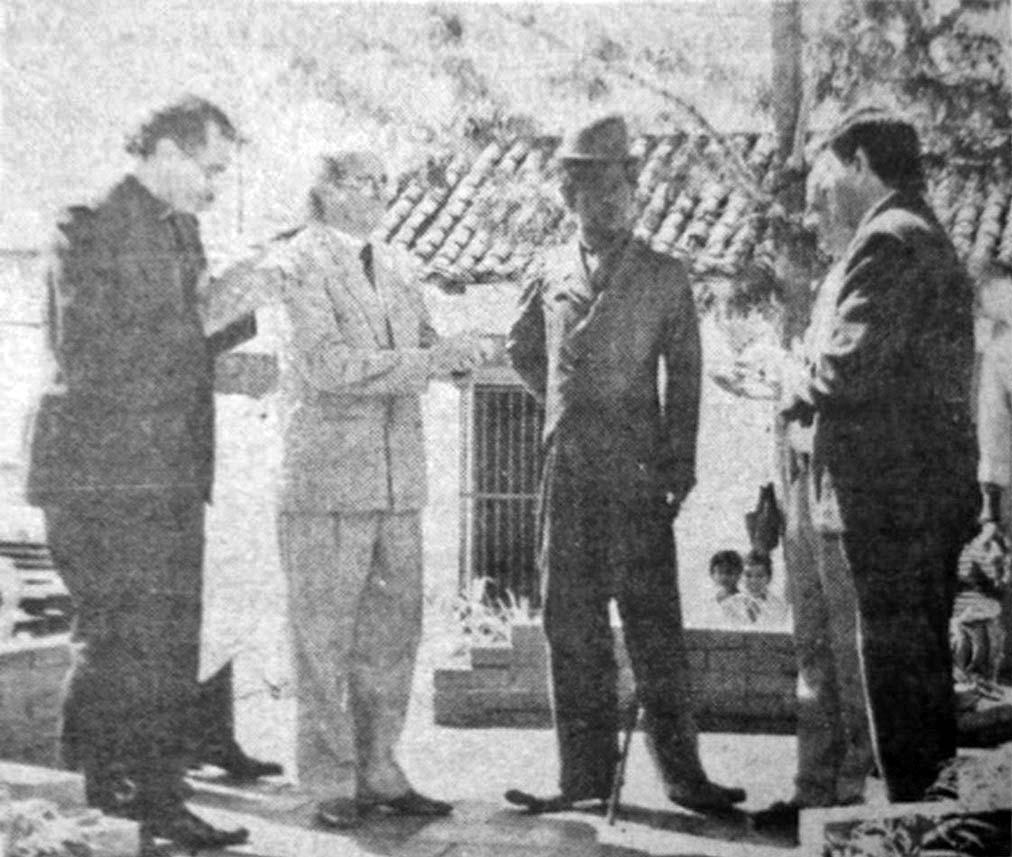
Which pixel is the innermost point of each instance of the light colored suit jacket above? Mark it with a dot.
(354, 364)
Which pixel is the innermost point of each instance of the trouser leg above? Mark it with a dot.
(820, 738)
(90, 739)
(905, 656)
(582, 664)
(387, 633)
(326, 559)
(856, 760)
(214, 715)
(646, 585)
(134, 569)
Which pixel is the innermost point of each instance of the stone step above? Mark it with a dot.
(30, 782)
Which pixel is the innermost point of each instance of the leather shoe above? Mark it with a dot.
(340, 813)
(190, 831)
(239, 766)
(705, 796)
(779, 819)
(538, 805)
(409, 803)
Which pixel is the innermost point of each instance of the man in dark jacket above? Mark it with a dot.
(121, 461)
(887, 384)
(620, 461)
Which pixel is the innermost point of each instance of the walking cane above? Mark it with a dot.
(632, 718)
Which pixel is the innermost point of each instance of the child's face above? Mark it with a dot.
(725, 578)
(757, 580)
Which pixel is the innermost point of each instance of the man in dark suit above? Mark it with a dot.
(620, 460)
(121, 461)
(887, 383)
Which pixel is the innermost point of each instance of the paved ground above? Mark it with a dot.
(474, 767)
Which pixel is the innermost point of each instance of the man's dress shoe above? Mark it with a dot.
(409, 803)
(340, 813)
(539, 805)
(779, 819)
(238, 765)
(705, 796)
(189, 831)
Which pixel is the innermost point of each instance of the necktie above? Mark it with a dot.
(368, 267)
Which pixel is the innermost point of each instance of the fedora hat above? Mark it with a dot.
(605, 141)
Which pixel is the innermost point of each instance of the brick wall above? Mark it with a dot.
(744, 681)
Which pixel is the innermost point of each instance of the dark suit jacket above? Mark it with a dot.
(596, 371)
(890, 378)
(132, 406)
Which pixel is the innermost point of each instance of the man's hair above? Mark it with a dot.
(731, 560)
(891, 145)
(760, 558)
(185, 123)
(333, 169)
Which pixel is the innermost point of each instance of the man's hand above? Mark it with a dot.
(461, 353)
(758, 372)
(673, 500)
(794, 406)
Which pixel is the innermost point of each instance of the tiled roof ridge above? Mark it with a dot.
(483, 218)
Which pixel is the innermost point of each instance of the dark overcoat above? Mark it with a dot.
(889, 382)
(132, 406)
(615, 357)
(593, 361)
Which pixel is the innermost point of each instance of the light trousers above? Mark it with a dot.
(834, 743)
(355, 607)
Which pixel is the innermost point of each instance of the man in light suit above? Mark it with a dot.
(620, 460)
(360, 352)
(887, 386)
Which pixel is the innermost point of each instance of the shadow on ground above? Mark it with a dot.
(281, 822)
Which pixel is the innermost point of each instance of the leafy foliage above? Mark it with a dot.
(979, 822)
(484, 618)
(945, 63)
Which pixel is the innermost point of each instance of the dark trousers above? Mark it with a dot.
(599, 543)
(214, 716)
(905, 583)
(132, 563)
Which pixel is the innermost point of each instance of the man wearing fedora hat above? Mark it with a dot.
(620, 459)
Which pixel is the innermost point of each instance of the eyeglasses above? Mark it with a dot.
(212, 171)
(375, 187)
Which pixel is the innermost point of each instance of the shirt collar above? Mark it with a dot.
(605, 250)
(157, 206)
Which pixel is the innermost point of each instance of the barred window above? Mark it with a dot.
(502, 467)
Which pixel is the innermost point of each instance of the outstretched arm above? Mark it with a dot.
(238, 292)
(526, 342)
(870, 331)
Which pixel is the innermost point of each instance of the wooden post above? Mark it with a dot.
(795, 258)
(787, 74)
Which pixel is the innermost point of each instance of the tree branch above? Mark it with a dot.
(739, 168)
